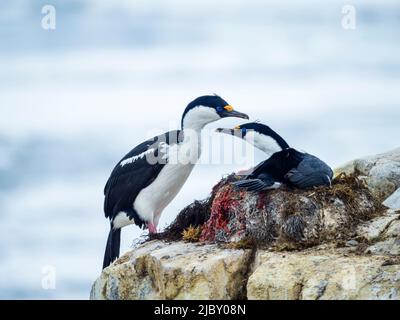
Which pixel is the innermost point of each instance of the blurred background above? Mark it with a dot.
(74, 100)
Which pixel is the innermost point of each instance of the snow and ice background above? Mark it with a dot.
(74, 100)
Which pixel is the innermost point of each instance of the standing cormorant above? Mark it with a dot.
(145, 181)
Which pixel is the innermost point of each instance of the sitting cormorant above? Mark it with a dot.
(284, 164)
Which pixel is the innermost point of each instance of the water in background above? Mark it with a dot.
(74, 100)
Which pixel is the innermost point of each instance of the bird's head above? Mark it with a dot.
(207, 109)
(259, 135)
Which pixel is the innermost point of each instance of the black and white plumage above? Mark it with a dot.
(145, 181)
(284, 164)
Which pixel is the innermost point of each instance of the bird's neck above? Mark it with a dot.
(269, 144)
(191, 135)
(197, 118)
(194, 124)
(189, 150)
(191, 127)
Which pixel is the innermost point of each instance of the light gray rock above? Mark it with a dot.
(160, 270)
(322, 275)
(384, 234)
(393, 202)
(373, 229)
(390, 246)
(351, 243)
(381, 172)
(393, 230)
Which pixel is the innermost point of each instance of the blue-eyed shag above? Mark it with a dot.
(145, 181)
(283, 165)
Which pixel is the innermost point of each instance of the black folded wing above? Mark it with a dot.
(138, 169)
(310, 172)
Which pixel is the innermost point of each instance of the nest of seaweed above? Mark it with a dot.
(195, 215)
(209, 220)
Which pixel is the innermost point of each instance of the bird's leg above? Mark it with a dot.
(152, 228)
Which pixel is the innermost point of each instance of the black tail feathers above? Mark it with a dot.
(112, 247)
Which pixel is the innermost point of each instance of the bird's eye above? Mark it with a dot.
(219, 109)
(244, 130)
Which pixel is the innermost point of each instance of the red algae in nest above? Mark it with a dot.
(225, 199)
(261, 201)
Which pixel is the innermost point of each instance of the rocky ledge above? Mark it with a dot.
(341, 242)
